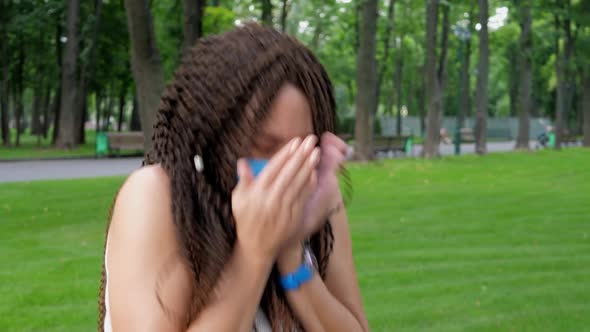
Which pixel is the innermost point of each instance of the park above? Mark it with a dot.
(467, 123)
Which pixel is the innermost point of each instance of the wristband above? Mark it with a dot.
(302, 275)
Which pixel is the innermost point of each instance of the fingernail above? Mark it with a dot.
(294, 144)
(315, 155)
(309, 142)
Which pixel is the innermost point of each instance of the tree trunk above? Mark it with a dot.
(56, 103)
(266, 13)
(69, 114)
(122, 99)
(108, 112)
(4, 114)
(366, 75)
(36, 111)
(586, 106)
(46, 106)
(386, 45)
(421, 95)
(513, 77)
(482, 81)
(146, 63)
(568, 74)
(444, 48)
(560, 87)
(432, 83)
(399, 63)
(135, 124)
(465, 104)
(87, 73)
(526, 76)
(97, 107)
(284, 13)
(193, 22)
(19, 89)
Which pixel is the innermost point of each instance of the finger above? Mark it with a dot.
(277, 162)
(302, 200)
(329, 138)
(244, 172)
(294, 166)
(301, 180)
(332, 158)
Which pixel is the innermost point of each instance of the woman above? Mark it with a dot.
(208, 236)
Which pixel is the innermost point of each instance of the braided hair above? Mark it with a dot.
(216, 101)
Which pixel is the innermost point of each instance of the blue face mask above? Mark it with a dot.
(256, 165)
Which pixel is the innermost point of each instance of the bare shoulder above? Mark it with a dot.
(147, 182)
(146, 192)
(143, 253)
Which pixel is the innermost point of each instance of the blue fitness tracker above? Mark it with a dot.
(302, 275)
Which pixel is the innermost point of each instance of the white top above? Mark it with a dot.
(260, 321)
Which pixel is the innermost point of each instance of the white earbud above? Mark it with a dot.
(198, 163)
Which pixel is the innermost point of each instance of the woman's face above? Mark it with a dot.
(289, 117)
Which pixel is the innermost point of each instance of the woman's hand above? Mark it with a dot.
(326, 198)
(268, 209)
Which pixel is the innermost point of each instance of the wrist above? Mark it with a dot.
(290, 258)
(256, 259)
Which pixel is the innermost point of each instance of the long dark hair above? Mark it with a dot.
(213, 106)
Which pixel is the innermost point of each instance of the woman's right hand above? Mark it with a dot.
(267, 209)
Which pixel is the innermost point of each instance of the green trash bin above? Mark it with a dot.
(408, 147)
(102, 144)
(551, 141)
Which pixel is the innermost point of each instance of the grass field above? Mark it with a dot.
(499, 243)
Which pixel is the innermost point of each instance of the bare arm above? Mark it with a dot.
(142, 245)
(336, 304)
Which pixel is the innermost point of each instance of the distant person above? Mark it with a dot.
(236, 221)
(444, 136)
(546, 138)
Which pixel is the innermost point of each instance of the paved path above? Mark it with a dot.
(89, 168)
(449, 149)
(66, 169)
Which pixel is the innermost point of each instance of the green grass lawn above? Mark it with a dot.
(495, 243)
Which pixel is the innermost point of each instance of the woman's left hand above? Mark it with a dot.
(327, 197)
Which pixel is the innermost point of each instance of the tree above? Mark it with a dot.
(146, 65)
(386, 46)
(481, 101)
(5, 68)
(193, 21)
(586, 106)
(560, 88)
(432, 83)
(526, 75)
(465, 98)
(366, 80)
(69, 109)
(87, 72)
(284, 12)
(266, 17)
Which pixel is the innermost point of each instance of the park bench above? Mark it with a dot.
(467, 135)
(387, 144)
(113, 142)
(569, 138)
